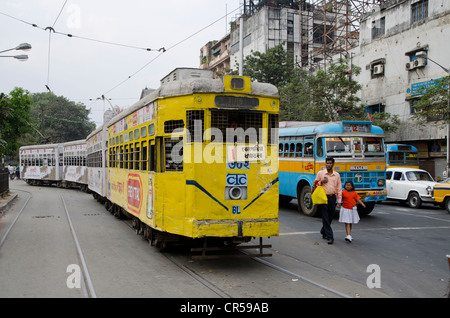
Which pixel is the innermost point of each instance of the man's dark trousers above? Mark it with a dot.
(327, 211)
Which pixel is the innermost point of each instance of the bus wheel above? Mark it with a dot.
(365, 211)
(305, 203)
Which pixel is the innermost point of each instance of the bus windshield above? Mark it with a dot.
(354, 146)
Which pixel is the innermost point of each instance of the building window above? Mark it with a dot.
(378, 28)
(419, 11)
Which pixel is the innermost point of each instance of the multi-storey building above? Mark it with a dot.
(398, 40)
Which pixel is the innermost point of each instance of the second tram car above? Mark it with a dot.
(41, 164)
(74, 165)
(97, 154)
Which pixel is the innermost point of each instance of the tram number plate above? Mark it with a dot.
(236, 209)
(236, 179)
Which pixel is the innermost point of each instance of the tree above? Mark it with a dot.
(59, 120)
(327, 95)
(434, 105)
(274, 67)
(14, 119)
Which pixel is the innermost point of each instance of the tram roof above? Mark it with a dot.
(39, 146)
(192, 86)
(312, 128)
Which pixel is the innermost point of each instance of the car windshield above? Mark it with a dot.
(418, 176)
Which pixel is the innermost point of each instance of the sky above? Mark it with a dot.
(83, 67)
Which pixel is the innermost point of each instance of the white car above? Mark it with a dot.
(411, 185)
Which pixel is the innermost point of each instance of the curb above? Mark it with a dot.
(6, 202)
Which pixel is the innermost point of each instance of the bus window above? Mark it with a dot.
(286, 150)
(373, 145)
(320, 147)
(292, 150)
(298, 150)
(357, 144)
(280, 149)
(308, 149)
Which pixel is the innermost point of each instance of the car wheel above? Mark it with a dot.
(447, 204)
(414, 200)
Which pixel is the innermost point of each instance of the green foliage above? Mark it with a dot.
(58, 120)
(14, 119)
(274, 67)
(326, 95)
(434, 105)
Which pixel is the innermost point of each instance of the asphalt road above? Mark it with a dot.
(400, 252)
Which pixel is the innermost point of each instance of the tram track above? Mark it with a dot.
(180, 260)
(86, 282)
(88, 287)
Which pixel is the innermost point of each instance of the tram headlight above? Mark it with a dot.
(381, 182)
(235, 193)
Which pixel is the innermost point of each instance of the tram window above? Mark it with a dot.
(193, 118)
(273, 129)
(130, 158)
(125, 160)
(137, 156)
(121, 138)
(144, 155)
(171, 125)
(130, 136)
(144, 132)
(151, 129)
(174, 154)
(117, 140)
(136, 134)
(121, 158)
(151, 158)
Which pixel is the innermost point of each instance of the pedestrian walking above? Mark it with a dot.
(349, 212)
(11, 170)
(330, 180)
(18, 173)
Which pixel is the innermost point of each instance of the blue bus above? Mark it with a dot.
(400, 155)
(358, 150)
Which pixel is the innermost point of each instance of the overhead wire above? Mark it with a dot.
(161, 50)
(170, 48)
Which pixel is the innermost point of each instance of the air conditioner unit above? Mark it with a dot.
(409, 66)
(420, 62)
(378, 69)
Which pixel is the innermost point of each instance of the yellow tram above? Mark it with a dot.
(198, 158)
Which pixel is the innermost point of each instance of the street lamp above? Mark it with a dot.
(21, 47)
(22, 57)
(447, 70)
